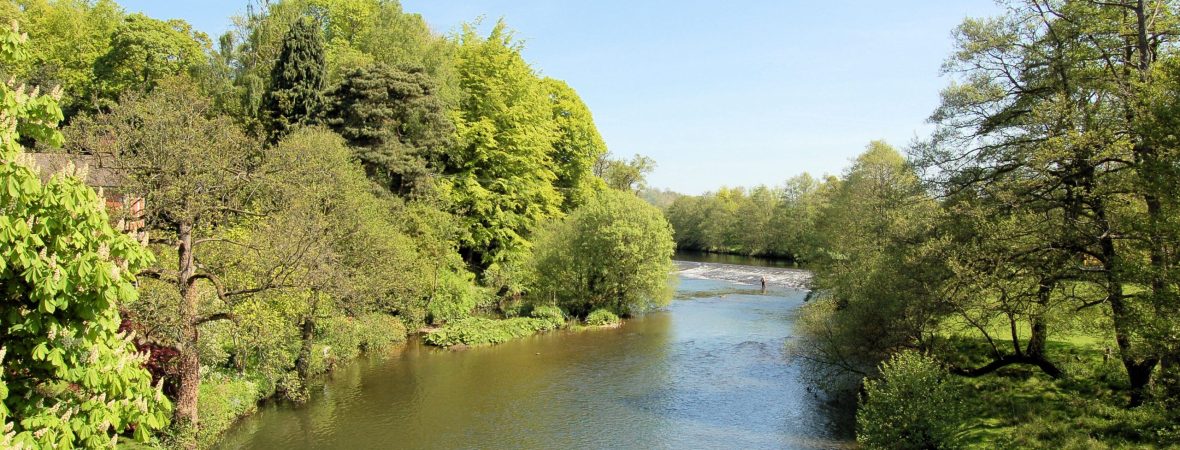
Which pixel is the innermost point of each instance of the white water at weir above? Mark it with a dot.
(775, 276)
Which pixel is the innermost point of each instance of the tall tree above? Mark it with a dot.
(295, 96)
(194, 170)
(1050, 117)
(501, 175)
(397, 123)
(578, 145)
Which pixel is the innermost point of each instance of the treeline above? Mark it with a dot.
(317, 182)
(778, 222)
(1013, 282)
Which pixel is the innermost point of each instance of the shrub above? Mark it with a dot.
(455, 298)
(602, 317)
(614, 252)
(481, 331)
(223, 399)
(339, 334)
(549, 313)
(378, 331)
(913, 406)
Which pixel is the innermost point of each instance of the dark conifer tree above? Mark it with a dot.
(395, 120)
(295, 96)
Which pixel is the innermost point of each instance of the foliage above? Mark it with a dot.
(614, 252)
(549, 313)
(380, 331)
(397, 123)
(500, 179)
(602, 318)
(481, 331)
(454, 298)
(913, 406)
(577, 147)
(224, 399)
(66, 38)
(295, 95)
(70, 378)
(144, 51)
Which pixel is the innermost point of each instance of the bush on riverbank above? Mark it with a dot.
(914, 405)
(602, 318)
(615, 252)
(482, 331)
(223, 400)
(550, 313)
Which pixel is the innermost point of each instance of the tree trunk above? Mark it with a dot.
(1138, 371)
(190, 362)
(1040, 326)
(303, 362)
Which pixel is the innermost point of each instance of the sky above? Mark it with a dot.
(719, 93)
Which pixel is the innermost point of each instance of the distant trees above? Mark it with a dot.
(614, 252)
(625, 175)
(764, 221)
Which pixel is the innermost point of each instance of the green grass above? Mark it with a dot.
(1021, 407)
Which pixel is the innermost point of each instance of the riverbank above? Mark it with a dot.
(651, 382)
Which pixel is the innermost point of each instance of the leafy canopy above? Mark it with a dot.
(69, 377)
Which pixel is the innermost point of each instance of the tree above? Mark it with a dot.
(1051, 118)
(615, 252)
(578, 145)
(69, 377)
(145, 51)
(623, 175)
(501, 175)
(66, 38)
(352, 257)
(194, 169)
(877, 257)
(295, 96)
(397, 123)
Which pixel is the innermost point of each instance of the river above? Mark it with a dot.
(709, 371)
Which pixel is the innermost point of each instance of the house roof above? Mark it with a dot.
(99, 171)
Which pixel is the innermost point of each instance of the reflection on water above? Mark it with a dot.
(709, 372)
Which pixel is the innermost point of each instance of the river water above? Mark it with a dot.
(709, 371)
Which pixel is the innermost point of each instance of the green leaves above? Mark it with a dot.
(501, 177)
(64, 268)
(614, 252)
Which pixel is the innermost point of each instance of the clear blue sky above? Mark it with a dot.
(732, 93)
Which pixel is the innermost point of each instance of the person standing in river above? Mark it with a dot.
(763, 284)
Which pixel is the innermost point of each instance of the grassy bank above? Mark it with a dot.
(228, 395)
(474, 331)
